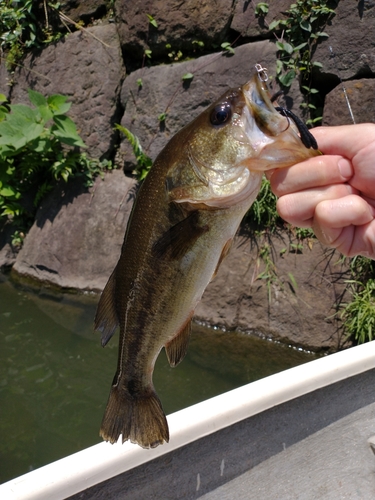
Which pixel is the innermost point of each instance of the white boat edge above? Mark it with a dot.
(100, 462)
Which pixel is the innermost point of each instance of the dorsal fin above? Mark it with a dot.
(177, 347)
(106, 318)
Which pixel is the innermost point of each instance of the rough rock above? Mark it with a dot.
(248, 25)
(8, 252)
(70, 12)
(90, 73)
(5, 80)
(351, 38)
(164, 91)
(76, 239)
(179, 24)
(360, 94)
(296, 307)
(84, 10)
(77, 236)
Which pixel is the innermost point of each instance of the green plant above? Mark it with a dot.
(303, 233)
(269, 273)
(261, 9)
(359, 314)
(172, 54)
(147, 53)
(227, 48)
(263, 213)
(162, 117)
(152, 21)
(293, 282)
(20, 30)
(300, 33)
(144, 162)
(38, 146)
(4, 108)
(296, 248)
(198, 43)
(187, 76)
(362, 268)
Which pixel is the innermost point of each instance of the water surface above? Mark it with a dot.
(55, 377)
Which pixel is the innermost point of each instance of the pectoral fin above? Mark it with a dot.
(106, 318)
(177, 347)
(224, 253)
(180, 238)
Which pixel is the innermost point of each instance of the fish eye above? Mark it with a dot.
(221, 114)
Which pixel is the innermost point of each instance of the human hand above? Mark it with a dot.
(334, 193)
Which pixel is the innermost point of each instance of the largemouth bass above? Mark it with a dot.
(183, 221)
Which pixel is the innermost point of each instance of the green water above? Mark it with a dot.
(55, 376)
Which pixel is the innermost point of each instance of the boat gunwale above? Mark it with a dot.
(93, 465)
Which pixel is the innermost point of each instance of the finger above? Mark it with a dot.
(345, 140)
(299, 208)
(345, 211)
(314, 172)
(357, 143)
(364, 241)
(364, 166)
(343, 223)
(350, 240)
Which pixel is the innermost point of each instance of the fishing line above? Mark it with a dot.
(332, 56)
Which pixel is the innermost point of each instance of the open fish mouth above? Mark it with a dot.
(273, 128)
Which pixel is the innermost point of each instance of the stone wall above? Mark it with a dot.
(77, 235)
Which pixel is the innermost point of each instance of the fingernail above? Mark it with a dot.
(345, 168)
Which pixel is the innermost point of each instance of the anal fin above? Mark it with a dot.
(177, 347)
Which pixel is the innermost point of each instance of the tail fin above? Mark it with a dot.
(139, 418)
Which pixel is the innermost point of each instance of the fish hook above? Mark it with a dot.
(262, 73)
